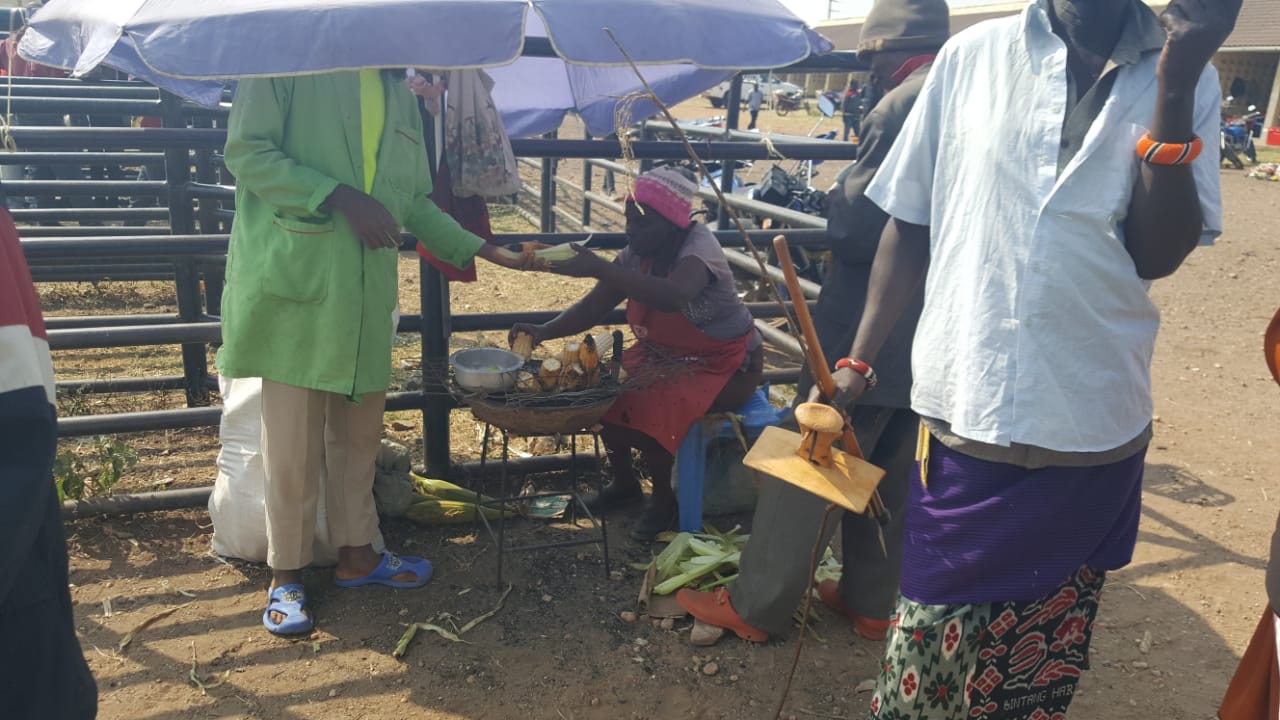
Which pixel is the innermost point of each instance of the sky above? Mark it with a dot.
(814, 10)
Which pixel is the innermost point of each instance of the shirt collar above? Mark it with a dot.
(1142, 31)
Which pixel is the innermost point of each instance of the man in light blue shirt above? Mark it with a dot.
(1049, 171)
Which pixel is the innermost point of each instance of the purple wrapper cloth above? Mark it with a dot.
(986, 532)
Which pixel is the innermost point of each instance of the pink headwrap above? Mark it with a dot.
(668, 191)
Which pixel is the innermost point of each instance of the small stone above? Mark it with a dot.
(1144, 645)
(1139, 665)
(710, 669)
(733, 678)
(616, 575)
(705, 635)
(404, 611)
(546, 598)
(641, 642)
(595, 702)
(627, 616)
(668, 624)
(333, 693)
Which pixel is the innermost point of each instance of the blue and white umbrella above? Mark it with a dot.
(191, 47)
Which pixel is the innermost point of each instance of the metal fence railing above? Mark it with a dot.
(99, 220)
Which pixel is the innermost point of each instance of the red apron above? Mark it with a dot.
(667, 407)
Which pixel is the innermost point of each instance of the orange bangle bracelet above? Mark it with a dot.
(1158, 153)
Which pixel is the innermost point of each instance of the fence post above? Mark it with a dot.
(434, 299)
(587, 172)
(547, 199)
(733, 102)
(177, 167)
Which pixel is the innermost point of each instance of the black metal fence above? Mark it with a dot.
(129, 225)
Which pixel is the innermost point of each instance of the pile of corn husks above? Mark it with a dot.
(709, 559)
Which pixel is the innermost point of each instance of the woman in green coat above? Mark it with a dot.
(328, 170)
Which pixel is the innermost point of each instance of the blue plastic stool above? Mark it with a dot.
(691, 457)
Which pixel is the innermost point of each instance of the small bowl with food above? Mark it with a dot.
(485, 369)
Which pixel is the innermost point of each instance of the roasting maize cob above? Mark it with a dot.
(527, 382)
(588, 355)
(573, 378)
(549, 374)
(522, 345)
(445, 490)
(555, 254)
(570, 354)
(430, 511)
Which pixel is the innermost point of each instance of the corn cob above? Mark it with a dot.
(573, 378)
(430, 511)
(527, 382)
(444, 490)
(604, 344)
(549, 374)
(588, 355)
(522, 345)
(570, 354)
(555, 254)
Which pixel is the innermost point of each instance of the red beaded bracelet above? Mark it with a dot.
(859, 367)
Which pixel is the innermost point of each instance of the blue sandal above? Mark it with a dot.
(391, 566)
(290, 601)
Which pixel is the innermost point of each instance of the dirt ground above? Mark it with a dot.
(1172, 627)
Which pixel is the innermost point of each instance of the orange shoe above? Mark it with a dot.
(714, 608)
(869, 628)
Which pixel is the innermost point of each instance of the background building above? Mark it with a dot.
(1247, 63)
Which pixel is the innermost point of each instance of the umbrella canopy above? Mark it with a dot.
(187, 46)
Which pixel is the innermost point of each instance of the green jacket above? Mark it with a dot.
(305, 303)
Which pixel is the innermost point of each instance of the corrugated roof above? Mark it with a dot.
(1258, 26)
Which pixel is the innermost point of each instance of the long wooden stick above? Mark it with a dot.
(812, 348)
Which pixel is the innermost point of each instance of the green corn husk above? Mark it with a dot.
(697, 568)
(671, 555)
(828, 569)
(704, 560)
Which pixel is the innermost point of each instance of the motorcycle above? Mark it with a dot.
(1237, 136)
(785, 102)
(794, 191)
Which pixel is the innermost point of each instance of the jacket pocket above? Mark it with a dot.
(298, 259)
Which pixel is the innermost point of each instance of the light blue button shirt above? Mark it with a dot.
(1036, 327)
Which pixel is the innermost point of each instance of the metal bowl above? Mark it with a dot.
(485, 369)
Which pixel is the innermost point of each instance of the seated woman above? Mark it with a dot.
(681, 304)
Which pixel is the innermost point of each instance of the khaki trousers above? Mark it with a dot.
(306, 435)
